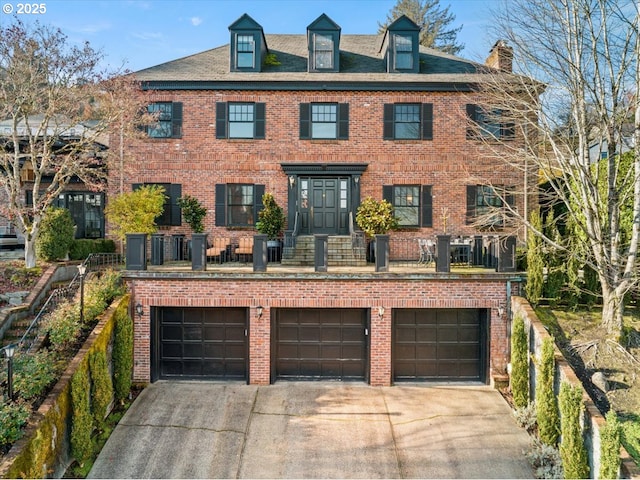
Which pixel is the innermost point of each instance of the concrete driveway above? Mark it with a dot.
(315, 430)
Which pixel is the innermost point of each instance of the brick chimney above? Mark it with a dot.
(500, 57)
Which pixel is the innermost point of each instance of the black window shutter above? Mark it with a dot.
(427, 121)
(471, 203)
(305, 120)
(343, 121)
(28, 198)
(258, 192)
(427, 206)
(387, 193)
(221, 205)
(175, 192)
(387, 133)
(472, 118)
(260, 119)
(221, 120)
(176, 120)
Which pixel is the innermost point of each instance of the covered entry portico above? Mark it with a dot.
(322, 196)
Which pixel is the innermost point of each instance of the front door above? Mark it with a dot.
(324, 205)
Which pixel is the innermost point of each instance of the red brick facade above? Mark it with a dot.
(330, 291)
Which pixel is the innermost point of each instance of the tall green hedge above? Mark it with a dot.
(535, 263)
(81, 420)
(610, 446)
(519, 363)
(572, 450)
(546, 401)
(122, 353)
(101, 386)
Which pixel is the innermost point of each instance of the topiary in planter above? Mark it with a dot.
(193, 213)
(271, 218)
(376, 217)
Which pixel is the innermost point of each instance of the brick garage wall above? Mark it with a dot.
(199, 161)
(329, 292)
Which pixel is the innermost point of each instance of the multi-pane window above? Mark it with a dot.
(240, 201)
(172, 213)
(324, 120)
(407, 121)
(323, 51)
(403, 52)
(488, 124)
(412, 204)
(245, 47)
(241, 118)
(87, 211)
(487, 205)
(406, 205)
(162, 114)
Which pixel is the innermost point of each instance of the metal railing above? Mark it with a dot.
(95, 261)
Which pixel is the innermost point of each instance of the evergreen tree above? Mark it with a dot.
(433, 21)
(546, 401)
(519, 364)
(535, 263)
(572, 450)
(610, 447)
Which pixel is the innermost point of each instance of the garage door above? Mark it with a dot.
(207, 343)
(437, 344)
(320, 344)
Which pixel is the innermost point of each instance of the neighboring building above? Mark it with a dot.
(322, 121)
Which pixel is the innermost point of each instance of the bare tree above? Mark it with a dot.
(586, 53)
(56, 109)
(433, 21)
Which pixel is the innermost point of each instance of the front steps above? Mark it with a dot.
(341, 252)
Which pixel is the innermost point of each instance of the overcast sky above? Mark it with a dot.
(141, 34)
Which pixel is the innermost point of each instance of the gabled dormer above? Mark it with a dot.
(323, 41)
(401, 45)
(248, 47)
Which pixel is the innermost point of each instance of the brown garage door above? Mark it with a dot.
(320, 344)
(207, 343)
(437, 344)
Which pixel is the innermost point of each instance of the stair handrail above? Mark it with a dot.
(357, 238)
(290, 236)
(91, 263)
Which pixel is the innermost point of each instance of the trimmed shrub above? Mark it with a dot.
(56, 234)
(610, 446)
(13, 416)
(100, 290)
(101, 386)
(519, 363)
(546, 401)
(136, 211)
(81, 420)
(546, 460)
(572, 450)
(122, 355)
(63, 325)
(81, 248)
(34, 373)
(526, 417)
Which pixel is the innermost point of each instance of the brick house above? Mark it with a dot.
(322, 121)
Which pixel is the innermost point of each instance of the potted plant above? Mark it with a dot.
(375, 218)
(193, 213)
(270, 222)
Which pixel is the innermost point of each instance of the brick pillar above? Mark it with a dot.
(141, 342)
(380, 338)
(260, 346)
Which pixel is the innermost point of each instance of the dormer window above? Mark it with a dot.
(323, 40)
(403, 52)
(248, 47)
(246, 50)
(400, 46)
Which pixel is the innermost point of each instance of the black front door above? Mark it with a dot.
(324, 205)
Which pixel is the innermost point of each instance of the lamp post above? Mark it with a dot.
(82, 269)
(9, 351)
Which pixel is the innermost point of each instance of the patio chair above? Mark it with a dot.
(244, 250)
(218, 251)
(426, 249)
